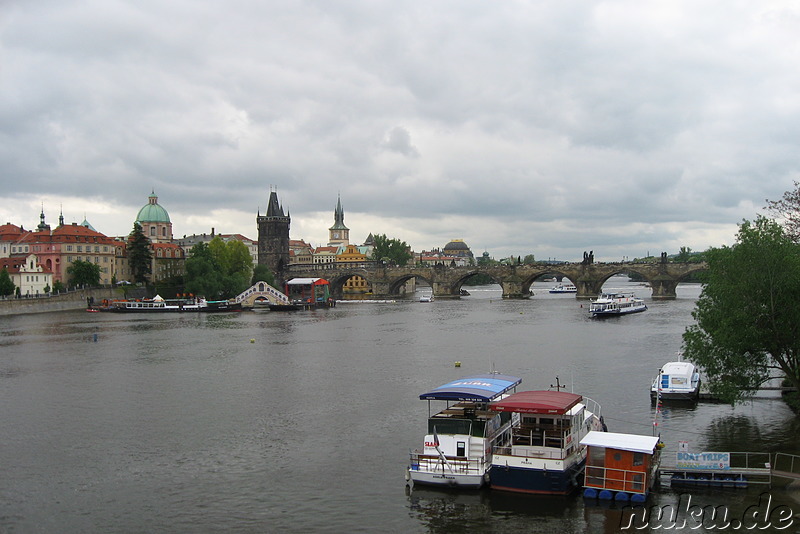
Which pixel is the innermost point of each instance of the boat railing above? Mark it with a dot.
(531, 451)
(593, 407)
(616, 479)
(541, 437)
(458, 464)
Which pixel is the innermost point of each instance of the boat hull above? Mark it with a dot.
(449, 480)
(536, 481)
(685, 396)
(613, 313)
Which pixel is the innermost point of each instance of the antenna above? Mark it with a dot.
(558, 385)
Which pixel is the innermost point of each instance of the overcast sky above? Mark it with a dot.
(541, 127)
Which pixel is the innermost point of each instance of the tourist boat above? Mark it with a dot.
(458, 445)
(564, 288)
(545, 455)
(616, 304)
(158, 304)
(622, 467)
(676, 381)
(426, 298)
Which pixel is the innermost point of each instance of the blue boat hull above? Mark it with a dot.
(537, 481)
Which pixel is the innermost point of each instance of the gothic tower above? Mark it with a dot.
(273, 237)
(338, 234)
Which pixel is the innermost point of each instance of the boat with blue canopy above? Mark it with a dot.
(460, 438)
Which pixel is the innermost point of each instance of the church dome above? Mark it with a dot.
(152, 212)
(456, 245)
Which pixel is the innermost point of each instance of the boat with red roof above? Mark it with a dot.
(545, 455)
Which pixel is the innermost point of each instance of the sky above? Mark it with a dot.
(522, 127)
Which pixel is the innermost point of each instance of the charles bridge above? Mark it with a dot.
(446, 281)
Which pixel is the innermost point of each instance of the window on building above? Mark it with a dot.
(153, 231)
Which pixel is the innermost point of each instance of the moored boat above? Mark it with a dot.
(426, 298)
(616, 304)
(545, 455)
(676, 381)
(564, 288)
(158, 304)
(458, 445)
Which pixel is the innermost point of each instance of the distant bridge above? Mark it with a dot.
(515, 280)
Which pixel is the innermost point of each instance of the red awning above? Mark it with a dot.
(544, 402)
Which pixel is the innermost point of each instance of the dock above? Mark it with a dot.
(745, 469)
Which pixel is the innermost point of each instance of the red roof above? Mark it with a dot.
(544, 402)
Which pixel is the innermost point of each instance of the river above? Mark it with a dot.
(302, 421)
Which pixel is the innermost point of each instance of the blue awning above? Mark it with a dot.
(481, 388)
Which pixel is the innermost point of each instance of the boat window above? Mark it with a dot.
(461, 448)
(638, 458)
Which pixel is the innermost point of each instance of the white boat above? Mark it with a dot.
(158, 304)
(616, 304)
(545, 455)
(457, 448)
(426, 298)
(676, 381)
(564, 288)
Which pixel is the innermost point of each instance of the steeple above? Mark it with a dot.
(43, 226)
(338, 234)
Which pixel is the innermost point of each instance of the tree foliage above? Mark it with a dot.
(787, 211)
(391, 250)
(218, 270)
(6, 284)
(262, 273)
(84, 273)
(748, 314)
(139, 254)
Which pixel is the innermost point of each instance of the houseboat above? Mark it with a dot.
(545, 455)
(564, 288)
(457, 447)
(622, 467)
(676, 381)
(616, 304)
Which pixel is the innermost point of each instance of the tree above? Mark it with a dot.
(391, 250)
(139, 255)
(219, 270)
(684, 254)
(787, 210)
(58, 286)
(261, 273)
(6, 284)
(84, 273)
(529, 259)
(748, 314)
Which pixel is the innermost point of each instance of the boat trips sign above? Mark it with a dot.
(703, 460)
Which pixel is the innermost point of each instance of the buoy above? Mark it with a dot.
(458, 364)
(252, 340)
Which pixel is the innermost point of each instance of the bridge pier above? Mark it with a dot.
(664, 288)
(512, 289)
(588, 288)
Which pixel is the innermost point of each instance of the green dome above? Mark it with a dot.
(152, 212)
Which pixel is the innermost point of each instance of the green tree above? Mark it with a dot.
(748, 315)
(392, 250)
(84, 273)
(58, 286)
(529, 259)
(262, 273)
(218, 270)
(139, 255)
(6, 284)
(684, 255)
(787, 210)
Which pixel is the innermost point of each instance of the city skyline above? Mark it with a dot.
(520, 127)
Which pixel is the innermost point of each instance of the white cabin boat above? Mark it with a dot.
(564, 288)
(457, 448)
(676, 381)
(616, 304)
(545, 455)
(426, 298)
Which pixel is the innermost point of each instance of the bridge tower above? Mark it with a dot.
(273, 237)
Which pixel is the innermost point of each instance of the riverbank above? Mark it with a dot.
(74, 300)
